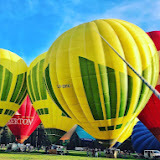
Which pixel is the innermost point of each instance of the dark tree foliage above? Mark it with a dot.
(39, 138)
(5, 136)
(126, 145)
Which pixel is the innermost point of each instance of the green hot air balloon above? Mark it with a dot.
(13, 87)
(55, 122)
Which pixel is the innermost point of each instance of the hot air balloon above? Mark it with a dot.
(24, 122)
(92, 84)
(143, 139)
(55, 121)
(13, 88)
(126, 134)
(150, 114)
(83, 135)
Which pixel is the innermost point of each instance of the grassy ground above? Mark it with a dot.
(42, 156)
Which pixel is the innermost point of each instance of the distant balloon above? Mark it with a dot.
(55, 122)
(13, 88)
(143, 139)
(150, 115)
(24, 122)
(155, 36)
(66, 137)
(92, 84)
(83, 135)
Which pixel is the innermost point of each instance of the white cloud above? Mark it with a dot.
(145, 14)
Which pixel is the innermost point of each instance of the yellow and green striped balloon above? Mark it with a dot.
(92, 84)
(13, 87)
(55, 121)
(127, 132)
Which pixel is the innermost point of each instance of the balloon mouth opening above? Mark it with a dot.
(21, 140)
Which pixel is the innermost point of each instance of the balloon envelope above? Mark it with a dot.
(24, 122)
(83, 135)
(127, 132)
(143, 139)
(13, 88)
(150, 114)
(92, 84)
(55, 122)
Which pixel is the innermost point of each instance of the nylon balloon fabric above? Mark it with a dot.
(92, 84)
(13, 88)
(150, 114)
(24, 122)
(127, 132)
(83, 135)
(143, 139)
(55, 121)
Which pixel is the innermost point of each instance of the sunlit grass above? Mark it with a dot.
(41, 156)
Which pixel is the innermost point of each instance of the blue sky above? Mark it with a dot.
(29, 27)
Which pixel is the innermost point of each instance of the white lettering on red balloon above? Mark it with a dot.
(21, 121)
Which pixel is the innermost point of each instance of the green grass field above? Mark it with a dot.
(41, 156)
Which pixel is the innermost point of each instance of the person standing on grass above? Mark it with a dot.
(93, 152)
(87, 152)
(99, 152)
(96, 152)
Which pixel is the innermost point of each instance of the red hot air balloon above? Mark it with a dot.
(150, 115)
(24, 122)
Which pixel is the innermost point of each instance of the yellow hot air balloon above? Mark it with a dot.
(92, 84)
(127, 132)
(12, 84)
(56, 122)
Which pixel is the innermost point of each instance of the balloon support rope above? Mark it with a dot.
(157, 94)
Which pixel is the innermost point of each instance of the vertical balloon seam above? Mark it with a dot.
(108, 68)
(30, 86)
(6, 85)
(49, 87)
(7, 81)
(17, 87)
(91, 97)
(22, 91)
(123, 105)
(43, 89)
(129, 77)
(130, 32)
(114, 77)
(103, 71)
(78, 101)
(94, 102)
(99, 97)
(63, 96)
(37, 77)
(146, 68)
(52, 93)
(37, 104)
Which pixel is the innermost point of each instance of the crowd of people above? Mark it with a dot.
(60, 150)
(93, 152)
(109, 153)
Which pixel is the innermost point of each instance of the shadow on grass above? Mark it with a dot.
(15, 152)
